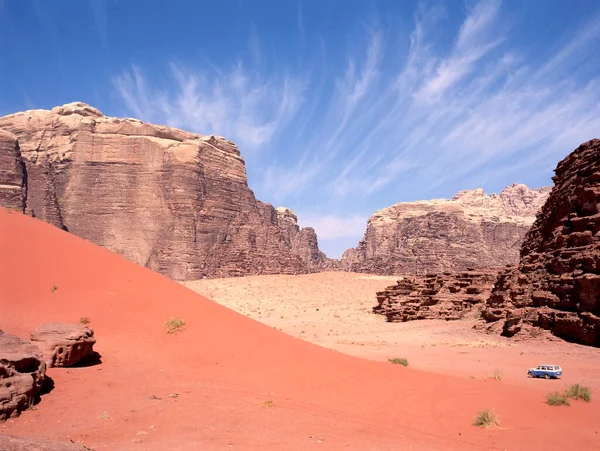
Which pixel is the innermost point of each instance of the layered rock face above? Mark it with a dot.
(447, 296)
(12, 443)
(12, 175)
(22, 373)
(472, 230)
(173, 201)
(556, 285)
(63, 344)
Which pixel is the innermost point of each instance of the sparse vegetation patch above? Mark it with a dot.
(497, 374)
(557, 399)
(174, 325)
(399, 361)
(577, 391)
(486, 419)
(54, 288)
(84, 320)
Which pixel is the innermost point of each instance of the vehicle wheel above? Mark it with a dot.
(529, 375)
(547, 376)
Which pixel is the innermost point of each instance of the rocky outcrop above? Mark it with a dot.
(12, 443)
(303, 241)
(63, 344)
(448, 296)
(12, 174)
(472, 230)
(556, 285)
(22, 373)
(170, 200)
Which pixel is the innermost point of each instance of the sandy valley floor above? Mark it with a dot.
(225, 381)
(333, 310)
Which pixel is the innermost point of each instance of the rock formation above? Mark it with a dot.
(63, 344)
(472, 230)
(12, 175)
(447, 296)
(556, 285)
(173, 201)
(22, 373)
(12, 443)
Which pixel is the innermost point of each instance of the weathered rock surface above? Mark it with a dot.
(12, 443)
(173, 201)
(556, 285)
(448, 296)
(12, 174)
(472, 230)
(22, 373)
(63, 344)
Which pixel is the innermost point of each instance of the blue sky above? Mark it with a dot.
(340, 108)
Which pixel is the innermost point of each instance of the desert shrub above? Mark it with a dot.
(84, 320)
(174, 325)
(486, 419)
(577, 391)
(557, 399)
(54, 288)
(497, 374)
(399, 361)
(268, 404)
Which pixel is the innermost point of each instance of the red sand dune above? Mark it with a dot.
(224, 367)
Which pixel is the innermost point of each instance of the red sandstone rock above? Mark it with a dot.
(12, 174)
(22, 373)
(473, 230)
(447, 296)
(63, 344)
(11, 443)
(556, 285)
(170, 200)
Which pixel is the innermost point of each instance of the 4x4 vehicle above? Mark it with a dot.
(545, 371)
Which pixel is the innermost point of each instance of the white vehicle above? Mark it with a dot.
(545, 371)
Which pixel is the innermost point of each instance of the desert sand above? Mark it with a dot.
(227, 381)
(334, 310)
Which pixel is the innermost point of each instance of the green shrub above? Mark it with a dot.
(486, 419)
(557, 399)
(174, 325)
(399, 361)
(577, 391)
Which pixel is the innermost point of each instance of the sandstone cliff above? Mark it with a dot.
(472, 230)
(556, 285)
(173, 201)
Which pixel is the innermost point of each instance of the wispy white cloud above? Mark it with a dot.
(397, 116)
(239, 104)
(332, 227)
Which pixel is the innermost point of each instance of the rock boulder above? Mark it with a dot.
(63, 344)
(12, 443)
(22, 373)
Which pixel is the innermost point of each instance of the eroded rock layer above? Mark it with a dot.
(12, 174)
(22, 373)
(472, 230)
(173, 201)
(448, 296)
(556, 285)
(12, 443)
(63, 344)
